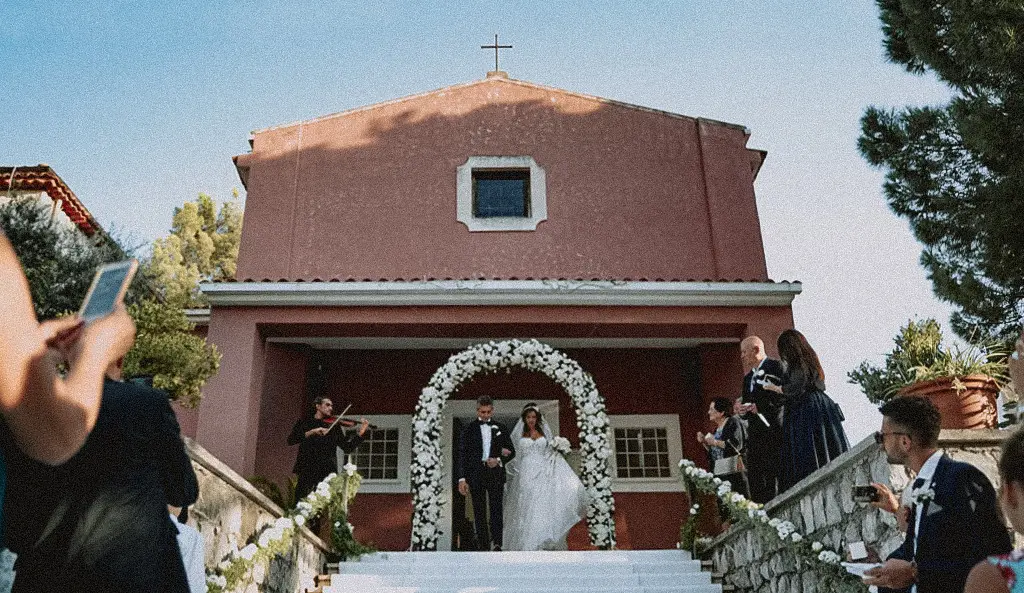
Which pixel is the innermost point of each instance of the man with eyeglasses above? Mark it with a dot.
(953, 521)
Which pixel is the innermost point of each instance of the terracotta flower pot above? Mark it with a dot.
(973, 405)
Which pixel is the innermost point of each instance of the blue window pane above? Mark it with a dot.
(501, 193)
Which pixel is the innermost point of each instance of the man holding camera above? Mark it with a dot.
(953, 521)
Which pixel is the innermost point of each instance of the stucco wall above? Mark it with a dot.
(233, 421)
(230, 511)
(631, 192)
(821, 507)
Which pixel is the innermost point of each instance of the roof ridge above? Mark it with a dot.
(502, 80)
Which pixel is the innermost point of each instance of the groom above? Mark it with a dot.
(484, 449)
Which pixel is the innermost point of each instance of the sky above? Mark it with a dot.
(139, 106)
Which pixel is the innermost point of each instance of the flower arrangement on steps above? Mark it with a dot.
(491, 357)
(810, 555)
(331, 496)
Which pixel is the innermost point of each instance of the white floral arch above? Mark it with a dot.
(488, 358)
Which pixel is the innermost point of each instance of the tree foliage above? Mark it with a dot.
(956, 171)
(168, 350)
(58, 261)
(59, 264)
(202, 246)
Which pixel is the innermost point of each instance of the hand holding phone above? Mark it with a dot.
(107, 289)
(865, 494)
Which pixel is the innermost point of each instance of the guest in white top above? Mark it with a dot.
(190, 542)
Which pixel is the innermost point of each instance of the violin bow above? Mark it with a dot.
(338, 419)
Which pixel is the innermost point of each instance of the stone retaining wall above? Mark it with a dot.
(230, 510)
(821, 507)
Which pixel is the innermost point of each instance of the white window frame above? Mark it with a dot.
(400, 485)
(670, 422)
(464, 194)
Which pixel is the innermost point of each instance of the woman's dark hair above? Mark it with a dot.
(916, 415)
(723, 405)
(797, 353)
(1011, 463)
(531, 407)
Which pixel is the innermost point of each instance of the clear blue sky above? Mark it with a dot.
(140, 105)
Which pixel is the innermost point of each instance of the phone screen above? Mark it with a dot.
(107, 288)
(865, 494)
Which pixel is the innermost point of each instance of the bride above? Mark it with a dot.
(543, 496)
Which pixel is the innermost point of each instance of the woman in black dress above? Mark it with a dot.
(812, 426)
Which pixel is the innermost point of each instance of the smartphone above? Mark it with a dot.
(865, 494)
(107, 289)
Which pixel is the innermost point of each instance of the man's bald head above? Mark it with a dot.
(752, 351)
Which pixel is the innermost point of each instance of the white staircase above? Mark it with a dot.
(640, 571)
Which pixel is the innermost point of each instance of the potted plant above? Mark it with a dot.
(962, 382)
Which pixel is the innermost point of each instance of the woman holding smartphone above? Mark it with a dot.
(46, 415)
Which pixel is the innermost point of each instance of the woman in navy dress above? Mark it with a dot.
(812, 425)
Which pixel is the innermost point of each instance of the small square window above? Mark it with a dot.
(640, 452)
(501, 193)
(371, 457)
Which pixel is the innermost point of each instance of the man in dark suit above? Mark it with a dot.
(762, 411)
(99, 522)
(954, 521)
(484, 449)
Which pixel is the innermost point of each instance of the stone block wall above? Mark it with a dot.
(822, 508)
(230, 511)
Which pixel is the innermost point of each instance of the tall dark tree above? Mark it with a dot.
(956, 171)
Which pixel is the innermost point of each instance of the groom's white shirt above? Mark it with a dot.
(485, 438)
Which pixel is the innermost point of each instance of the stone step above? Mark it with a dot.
(462, 558)
(618, 571)
(509, 568)
(564, 580)
(350, 584)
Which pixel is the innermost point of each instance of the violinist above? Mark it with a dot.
(318, 440)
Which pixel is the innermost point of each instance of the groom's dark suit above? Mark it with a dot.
(959, 528)
(763, 442)
(485, 482)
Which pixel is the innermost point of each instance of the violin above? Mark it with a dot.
(347, 422)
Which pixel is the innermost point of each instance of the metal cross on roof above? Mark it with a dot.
(495, 47)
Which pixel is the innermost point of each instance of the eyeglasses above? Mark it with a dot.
(880, 436)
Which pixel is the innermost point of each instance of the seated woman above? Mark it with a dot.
(728, 440)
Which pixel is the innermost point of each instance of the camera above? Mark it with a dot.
(865, 494)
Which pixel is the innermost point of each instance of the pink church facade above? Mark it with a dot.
(368, 258)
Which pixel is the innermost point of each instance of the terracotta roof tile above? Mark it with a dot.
(43, 178)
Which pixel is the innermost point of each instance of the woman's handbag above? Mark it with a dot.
(730, 465)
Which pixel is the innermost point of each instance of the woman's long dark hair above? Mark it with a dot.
(526, 410)
(798, 354)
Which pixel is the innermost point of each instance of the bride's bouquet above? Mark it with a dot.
(561, 445)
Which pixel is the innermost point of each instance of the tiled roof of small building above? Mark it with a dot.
(43, 178)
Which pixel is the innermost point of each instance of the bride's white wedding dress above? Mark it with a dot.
(543, 498)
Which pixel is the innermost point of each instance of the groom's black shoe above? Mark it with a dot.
(496, 549)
